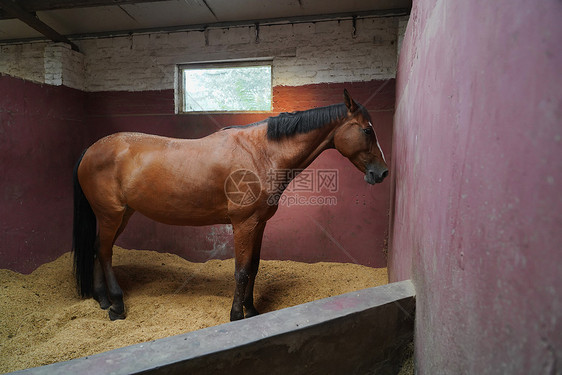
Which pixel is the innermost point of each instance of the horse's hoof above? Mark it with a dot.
(239, 315)
(115, 316)
(104, 304)
(251, 312)
(103, 301)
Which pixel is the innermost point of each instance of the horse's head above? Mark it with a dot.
(356, 140)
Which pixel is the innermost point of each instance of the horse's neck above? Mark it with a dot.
(300, 150)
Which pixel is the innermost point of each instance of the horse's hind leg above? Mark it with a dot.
(109, 229)
(100, 287)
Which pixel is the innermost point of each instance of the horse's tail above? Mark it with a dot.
(83, 238)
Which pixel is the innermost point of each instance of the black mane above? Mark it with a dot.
(288, 124)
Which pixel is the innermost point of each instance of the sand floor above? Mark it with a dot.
(43, 320)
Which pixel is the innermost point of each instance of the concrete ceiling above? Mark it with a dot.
(62, 20)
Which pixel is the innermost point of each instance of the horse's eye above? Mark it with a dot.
(368, 130)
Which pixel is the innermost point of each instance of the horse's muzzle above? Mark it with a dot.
(373, 176)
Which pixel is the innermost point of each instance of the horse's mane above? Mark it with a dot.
(290, 123)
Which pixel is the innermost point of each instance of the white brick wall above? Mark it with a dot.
(23, 60)
(51, 63)
(304, 53)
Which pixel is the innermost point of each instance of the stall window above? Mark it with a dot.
(241, 87)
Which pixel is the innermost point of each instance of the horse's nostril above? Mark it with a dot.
(384, 174)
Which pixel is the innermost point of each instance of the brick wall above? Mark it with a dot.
(63, 66)
(304, 53)
(23, 61)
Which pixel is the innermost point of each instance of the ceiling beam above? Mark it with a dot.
(377, 13)
(35, 5)
(31, 19)
(45, 5)
(210, 9)
(262, 22)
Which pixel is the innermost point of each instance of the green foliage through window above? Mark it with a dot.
(223, 89)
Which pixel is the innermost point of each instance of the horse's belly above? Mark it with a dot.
(187, 220)
(170, 211)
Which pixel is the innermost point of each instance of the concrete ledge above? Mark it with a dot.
(355, 333)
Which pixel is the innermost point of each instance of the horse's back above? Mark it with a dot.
(119, 149)
(167, 179)
(130, 142)
(114, 154)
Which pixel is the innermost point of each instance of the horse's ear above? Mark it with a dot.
(349, 102)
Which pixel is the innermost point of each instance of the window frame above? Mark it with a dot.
(180, 79)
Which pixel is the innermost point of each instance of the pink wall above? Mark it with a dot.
(477, 171)
(63, 122)
(41, 133)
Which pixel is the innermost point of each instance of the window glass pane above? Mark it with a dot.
(228, 89)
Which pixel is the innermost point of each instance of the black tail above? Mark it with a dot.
(83, 238)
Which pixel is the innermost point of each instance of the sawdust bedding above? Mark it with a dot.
(42, 319)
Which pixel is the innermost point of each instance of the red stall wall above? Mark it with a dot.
(41, 134)
(477, 169)
(353, 230)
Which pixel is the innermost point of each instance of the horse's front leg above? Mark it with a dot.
(247, 244)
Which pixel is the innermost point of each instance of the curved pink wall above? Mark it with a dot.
(477, 185)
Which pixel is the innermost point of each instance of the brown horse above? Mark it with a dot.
(218, 179)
